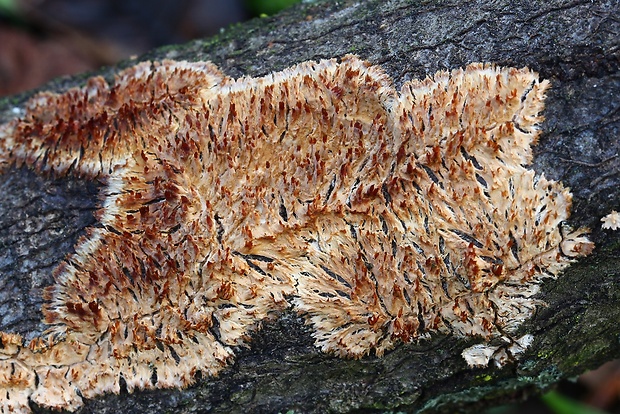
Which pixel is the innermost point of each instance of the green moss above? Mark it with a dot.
(544, 354)
(589, 351)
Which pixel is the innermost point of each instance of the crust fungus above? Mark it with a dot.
(381, 216)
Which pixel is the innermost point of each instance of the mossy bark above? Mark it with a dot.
(575, 44)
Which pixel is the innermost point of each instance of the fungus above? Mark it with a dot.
(381, 216)
(480, 355)
(611, 221)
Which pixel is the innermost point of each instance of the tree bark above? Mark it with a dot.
(575, 44)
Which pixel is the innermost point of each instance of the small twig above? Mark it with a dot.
(589, 164)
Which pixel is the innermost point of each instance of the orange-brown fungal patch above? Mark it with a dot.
(381, 216)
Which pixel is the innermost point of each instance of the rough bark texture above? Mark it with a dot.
(575, 44)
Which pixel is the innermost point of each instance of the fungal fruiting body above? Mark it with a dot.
(611, 221)
(381, 216)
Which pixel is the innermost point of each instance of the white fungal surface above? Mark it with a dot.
(611, 221)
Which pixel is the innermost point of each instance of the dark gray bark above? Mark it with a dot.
(575, 44)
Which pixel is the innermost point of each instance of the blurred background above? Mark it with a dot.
(43, 39)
